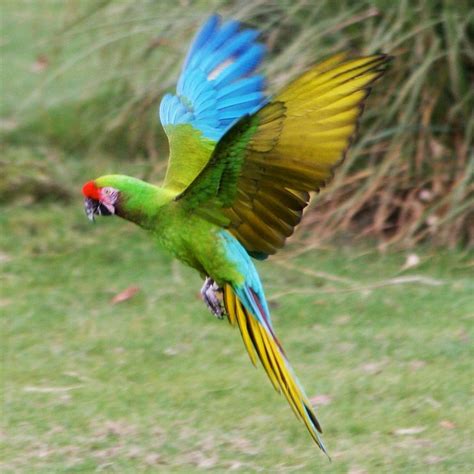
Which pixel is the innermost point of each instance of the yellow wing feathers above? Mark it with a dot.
(322, 108)
(301, 136)
(260, 343)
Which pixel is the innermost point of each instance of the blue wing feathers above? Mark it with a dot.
(236, 46)
(251, 99)
(206, 32)
(230, 113)
(217, 84)
(244, 86)
(205, 99)
(164, 105)
(243, 66)
(228, 30)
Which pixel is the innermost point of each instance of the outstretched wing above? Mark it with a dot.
(263, 169)
(217, 86)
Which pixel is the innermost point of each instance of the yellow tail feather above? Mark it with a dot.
(260, 342)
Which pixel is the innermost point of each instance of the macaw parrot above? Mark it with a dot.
(241, 167)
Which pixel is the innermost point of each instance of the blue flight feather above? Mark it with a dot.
(231, 50)
(244, 65)
(217, 84)
(228, 30)
(244, 86)
(206, 32)
(254, 98)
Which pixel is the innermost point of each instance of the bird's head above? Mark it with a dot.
(124, 196)
(100, 200)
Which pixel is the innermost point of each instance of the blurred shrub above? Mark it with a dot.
(33, 175)
(409, 176)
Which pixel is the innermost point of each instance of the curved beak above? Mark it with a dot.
(89, 207)
(96, 208)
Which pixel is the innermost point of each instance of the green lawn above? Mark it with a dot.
(156, 384)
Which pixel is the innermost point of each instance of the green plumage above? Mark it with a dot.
(184, 234)
(186, 141)
(244, 193)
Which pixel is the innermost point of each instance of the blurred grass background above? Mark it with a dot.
(88, 76)
(381, 340)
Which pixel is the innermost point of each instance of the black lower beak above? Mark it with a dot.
(90, 206)
(96, 208)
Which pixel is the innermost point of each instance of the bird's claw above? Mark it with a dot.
(211, 293)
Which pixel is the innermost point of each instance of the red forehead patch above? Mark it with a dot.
(90, 190)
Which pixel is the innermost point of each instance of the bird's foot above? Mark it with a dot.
(211, 293)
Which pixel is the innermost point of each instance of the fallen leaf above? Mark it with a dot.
(409, 431)
(125, 295)
(446, 424)
(321, 400)
(40, 64)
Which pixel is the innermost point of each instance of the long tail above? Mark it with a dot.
(245, 309)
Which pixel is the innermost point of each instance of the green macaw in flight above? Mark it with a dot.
(240, 171)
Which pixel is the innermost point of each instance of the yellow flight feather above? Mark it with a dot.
(258, 341)
(229, 303)
(301, 136)
(242, 323)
